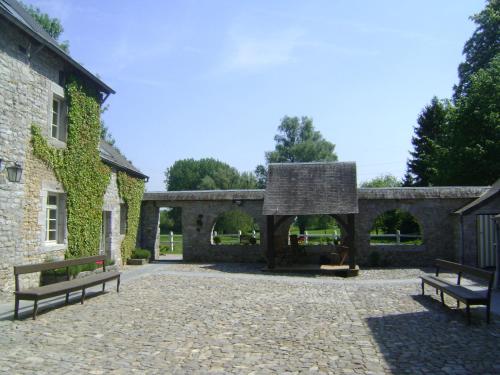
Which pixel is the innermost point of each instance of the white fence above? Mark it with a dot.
(171, 242)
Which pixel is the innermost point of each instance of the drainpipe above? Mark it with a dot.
(462, 254)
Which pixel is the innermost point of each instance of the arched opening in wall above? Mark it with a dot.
(171, 232)
(235, 227)
(314, 230)
(395, 227)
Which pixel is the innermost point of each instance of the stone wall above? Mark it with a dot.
(27, 83)
(112, 202)
(432, 207)
(25, 98)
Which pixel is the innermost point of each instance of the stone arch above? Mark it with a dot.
(396, 221)
(251, 231)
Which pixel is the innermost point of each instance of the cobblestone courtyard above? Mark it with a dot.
(187, 319)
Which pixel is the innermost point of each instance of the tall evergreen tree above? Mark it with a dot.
(423, 166)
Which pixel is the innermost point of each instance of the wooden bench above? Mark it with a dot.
(458, 291)
(64, 287)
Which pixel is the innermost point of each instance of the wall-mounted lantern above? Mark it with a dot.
(14, 172)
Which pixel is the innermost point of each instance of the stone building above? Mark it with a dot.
(33, 211)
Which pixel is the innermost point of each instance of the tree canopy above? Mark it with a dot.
(297, 141)
(206, 174)
(51, 25)
(458, 142)
(387, 180)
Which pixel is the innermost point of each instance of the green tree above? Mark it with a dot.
(51, 25)
(297, 141)
(481, 48)
(473, 141)
(422, 168)
(387, 180)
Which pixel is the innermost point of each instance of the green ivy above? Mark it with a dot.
(79, 168)
(131, 191)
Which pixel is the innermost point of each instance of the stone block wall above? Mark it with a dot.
(28, 81)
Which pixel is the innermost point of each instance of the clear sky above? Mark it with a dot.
(201, 78)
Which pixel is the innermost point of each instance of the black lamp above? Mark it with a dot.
(14, 172)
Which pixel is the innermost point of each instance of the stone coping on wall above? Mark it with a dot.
(446, 192)
(204, 195)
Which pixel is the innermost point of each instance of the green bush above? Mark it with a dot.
(140, 254)
(217, 240)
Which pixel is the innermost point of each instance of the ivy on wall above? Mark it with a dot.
(79, 168)
(131, 191)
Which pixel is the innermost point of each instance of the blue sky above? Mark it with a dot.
(201, 79)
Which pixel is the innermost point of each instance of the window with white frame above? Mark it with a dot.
(55, 218)
(52, 218)
(58, 123)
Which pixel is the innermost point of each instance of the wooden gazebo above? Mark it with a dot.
(320, 188)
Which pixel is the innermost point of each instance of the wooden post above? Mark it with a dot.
(171, 241)
(270, 242)
(351, 243)
(398, 236)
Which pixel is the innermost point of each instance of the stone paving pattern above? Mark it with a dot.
(185, 319)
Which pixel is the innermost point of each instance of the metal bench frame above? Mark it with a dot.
(64, 287)
(459, 292)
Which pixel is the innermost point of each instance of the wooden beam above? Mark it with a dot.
(270, 254)
(351, 241)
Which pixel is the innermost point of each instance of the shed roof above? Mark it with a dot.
(488, 195)
(16, 14)
(311, 188)
(110, 155)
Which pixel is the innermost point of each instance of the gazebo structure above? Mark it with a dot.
(310, 189)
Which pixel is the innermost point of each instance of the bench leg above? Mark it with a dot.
(67, 299)
(442, 298)
(103, 287)
(83, 296)
(35, 309)
(468, 314)
(423, 287)
(118, 285)
(16, 308)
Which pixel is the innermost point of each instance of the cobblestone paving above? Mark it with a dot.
(211, 323)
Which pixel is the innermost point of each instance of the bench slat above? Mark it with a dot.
(37, 267)
(485, 275)
(51, 290)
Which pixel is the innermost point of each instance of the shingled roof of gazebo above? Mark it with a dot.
(311, 189)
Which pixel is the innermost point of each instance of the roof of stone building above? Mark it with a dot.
(110, 155)
(440, 192)
(311, 188)
(205, 195)
(13, 11)
(492, 192)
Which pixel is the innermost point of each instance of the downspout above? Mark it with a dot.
(462, 254)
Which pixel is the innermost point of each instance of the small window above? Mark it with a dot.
(52, 218)
(123, 218)
(55, 217)
(58, 122)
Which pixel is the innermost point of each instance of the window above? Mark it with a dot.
(123, 219)
(55, 217)
(58, 122)
(52, 214)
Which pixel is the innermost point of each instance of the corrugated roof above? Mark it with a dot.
(15, 13)
(110, 155)
(489, 194)
(311, 188)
